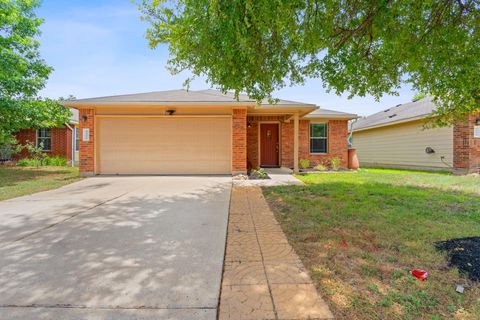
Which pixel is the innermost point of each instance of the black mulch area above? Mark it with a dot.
(464, 253)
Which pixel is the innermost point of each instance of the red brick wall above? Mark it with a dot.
(466, 148)
(337, 142)
(87, 148)
(61, 142)
(239, 141)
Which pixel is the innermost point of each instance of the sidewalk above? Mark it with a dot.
(263, 277)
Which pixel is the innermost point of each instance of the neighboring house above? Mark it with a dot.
(396, 137)
(203, 132)
(54, 141)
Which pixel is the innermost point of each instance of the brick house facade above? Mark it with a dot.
(466, 147)
(61, 142)
(337, 140)
(228, 128)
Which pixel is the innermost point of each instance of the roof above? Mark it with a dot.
(200, 97)
(401, 113)
(331, 114)
(207, 98)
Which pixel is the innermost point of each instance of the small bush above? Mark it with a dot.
(8, 149)
(258, 174)
(55, 161)
(304, 163)
(29, 162)
(320, 167)
(335, 163)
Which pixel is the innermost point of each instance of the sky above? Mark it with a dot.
(98, 48)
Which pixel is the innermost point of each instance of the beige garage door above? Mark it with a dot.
(164, 145)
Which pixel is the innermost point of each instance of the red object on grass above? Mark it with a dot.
(419, 274)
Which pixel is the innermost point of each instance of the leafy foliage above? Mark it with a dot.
(355, 46)
(418, 96)
(55, 161)
(23, 73)
(335, 163)
(320, 167)
(304, 163)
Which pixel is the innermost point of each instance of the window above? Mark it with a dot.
(77, 139)
(318, 137)
(44, 139)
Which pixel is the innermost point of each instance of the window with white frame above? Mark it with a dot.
(44, 139)
(318, 138)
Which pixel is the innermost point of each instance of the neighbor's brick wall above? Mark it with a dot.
(337, 142)
(239, 141)
(87, 148)
(466, 148)
(61, 142)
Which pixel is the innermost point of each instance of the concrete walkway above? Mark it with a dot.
(263, 277)
(278, 177)
(145, 247)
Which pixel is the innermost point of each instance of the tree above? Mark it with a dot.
(355, 46)
(418, 96)
(23, 73)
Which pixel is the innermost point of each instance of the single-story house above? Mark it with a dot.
(61, 141)
(396, 137)
(203, 132)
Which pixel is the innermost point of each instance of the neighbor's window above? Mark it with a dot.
(44, 139)
(318, 137)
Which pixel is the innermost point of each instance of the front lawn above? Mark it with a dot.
(361, 233)
(20, 181)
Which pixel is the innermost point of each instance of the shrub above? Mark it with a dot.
(55, 161)
(304, 163)
(335, 163)
(8, 149)
(258, 174)
(34, 151)
(320, 167)
(29, 162)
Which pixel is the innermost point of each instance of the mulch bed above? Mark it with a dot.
(464, 253)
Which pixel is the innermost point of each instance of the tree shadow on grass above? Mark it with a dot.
(10, 176)
(375, 232)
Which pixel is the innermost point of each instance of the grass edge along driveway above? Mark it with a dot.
(21, 181)
(359, 234)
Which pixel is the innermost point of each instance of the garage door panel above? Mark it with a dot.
(164, 145)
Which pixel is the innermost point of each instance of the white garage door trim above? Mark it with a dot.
(221, 134)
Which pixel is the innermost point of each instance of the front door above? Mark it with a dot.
(269, 148)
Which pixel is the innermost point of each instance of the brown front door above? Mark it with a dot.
(269, 148)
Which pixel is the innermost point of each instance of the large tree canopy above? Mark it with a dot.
(23, 73)
(355, 46)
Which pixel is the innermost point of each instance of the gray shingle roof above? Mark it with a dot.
(331, 114)
(403, 112)
(178, 96)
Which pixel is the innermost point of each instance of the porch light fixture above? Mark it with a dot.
(249, 124)
(84, 118)
(170, 112)
(477, 121)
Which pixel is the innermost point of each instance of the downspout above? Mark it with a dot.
(72, 161)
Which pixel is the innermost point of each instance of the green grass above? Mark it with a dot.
(20, 181)
(361, 233)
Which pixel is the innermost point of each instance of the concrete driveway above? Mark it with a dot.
(118, 248)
